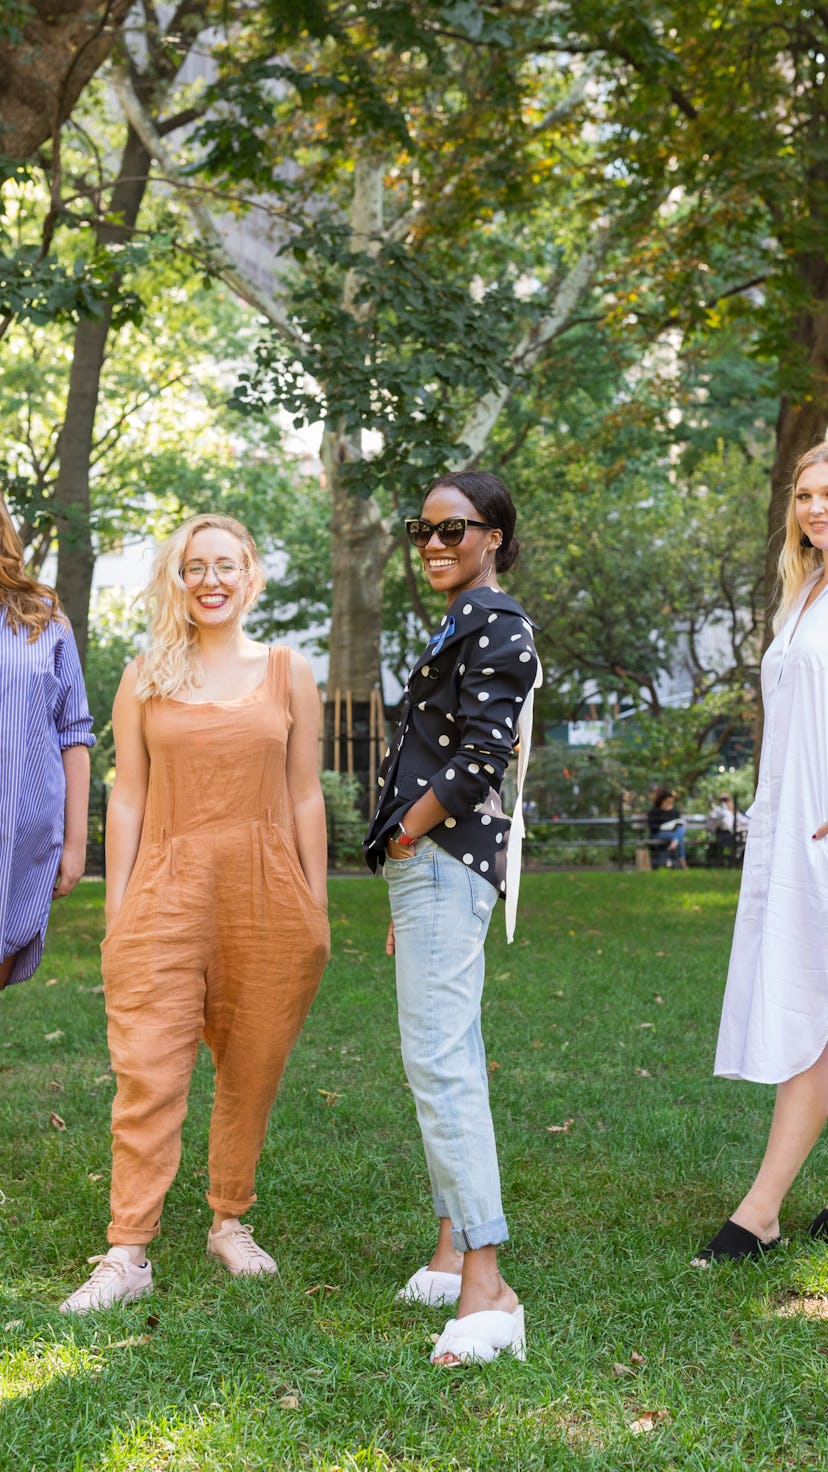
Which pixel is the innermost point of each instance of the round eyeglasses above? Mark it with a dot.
(226, 571)
(450, 532)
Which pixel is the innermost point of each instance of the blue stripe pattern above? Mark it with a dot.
(43, 710)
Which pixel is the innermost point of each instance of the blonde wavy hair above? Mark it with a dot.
(797, 563)
(28, 604)
(170, 664)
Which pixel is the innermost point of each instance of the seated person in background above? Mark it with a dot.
(666, 829)
(727, 826)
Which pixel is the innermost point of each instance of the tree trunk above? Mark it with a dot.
(42, 74)
(360, 546)
(800, 424)
(360, 543)
(76, 555)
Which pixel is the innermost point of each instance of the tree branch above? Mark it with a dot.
(481, 421)
(222, 262)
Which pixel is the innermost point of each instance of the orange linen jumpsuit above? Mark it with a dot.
(218, 937)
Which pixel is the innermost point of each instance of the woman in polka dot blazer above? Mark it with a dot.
(442, 837)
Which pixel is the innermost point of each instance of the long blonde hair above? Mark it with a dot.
(797, 563)
(28, 604)
(170, 664)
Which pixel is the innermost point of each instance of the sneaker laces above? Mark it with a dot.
(106, 1269)
(242, 1238)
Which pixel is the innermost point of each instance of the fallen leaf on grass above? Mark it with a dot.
(52, 1037)
(56, 1122)
(493, 1065)
(12, 1324)
(560, 1129)
(646, 1024)
(619, 1369)
(322, 1288)
(104, 1078)
(290, 1402)
(53, 1084)
(95, 1176)
(53, 981)
(808, 1305)
(643, 1073)
(330, 1096)
(648, 1421)
(657, 998)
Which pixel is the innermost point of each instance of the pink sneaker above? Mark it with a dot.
(233, 1246)
(116, 1279)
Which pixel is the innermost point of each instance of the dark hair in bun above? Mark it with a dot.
(490, 497)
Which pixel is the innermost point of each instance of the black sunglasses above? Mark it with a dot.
(451, 531)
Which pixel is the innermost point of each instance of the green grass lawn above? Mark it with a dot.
(619, 1154)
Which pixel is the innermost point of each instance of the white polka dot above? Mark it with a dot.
(498, 735)
(491, 618)
(483, 641)
(450, 774)
(443, 619)
(509, 722)
(467, 607)
(450, 823)
(503, 886)
(498, 838)
(421, 782)
(486, 819)
(387, 753)
(489, 670)
(483, 867)
(514, 637)
(461, 669)
(445, 740)
(449, 717)
(473, 767)
(484, 695)
(468, 858)
(381, 780)
(487, 768)
(396, 791)
(425, 669)
(525, 656)
(518, 701)
(421, 706)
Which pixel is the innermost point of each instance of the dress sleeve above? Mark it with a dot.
(499, 672)
(71, 714)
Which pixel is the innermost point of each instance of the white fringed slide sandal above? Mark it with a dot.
(479, 1338)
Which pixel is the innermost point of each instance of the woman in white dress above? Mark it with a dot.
(774, 1026)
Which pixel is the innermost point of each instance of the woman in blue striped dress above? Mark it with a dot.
(45, 733)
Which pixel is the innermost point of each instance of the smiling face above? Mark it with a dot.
(454, 570)
(216, 602)
(811, 505)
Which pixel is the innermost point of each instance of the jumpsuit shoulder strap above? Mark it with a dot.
(278, 674)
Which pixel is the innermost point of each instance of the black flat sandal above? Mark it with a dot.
(732, 1243)
(819, 1227)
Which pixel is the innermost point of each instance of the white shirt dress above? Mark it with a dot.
(775, 1013)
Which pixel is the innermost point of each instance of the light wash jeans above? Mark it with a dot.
(441, 911)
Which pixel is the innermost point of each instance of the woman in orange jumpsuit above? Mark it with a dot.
(216, 913)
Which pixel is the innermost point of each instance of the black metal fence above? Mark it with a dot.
(616, 840)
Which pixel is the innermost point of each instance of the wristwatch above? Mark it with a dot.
(403, 838)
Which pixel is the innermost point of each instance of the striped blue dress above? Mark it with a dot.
(43, 710)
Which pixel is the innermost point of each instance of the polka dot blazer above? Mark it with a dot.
(457, 730)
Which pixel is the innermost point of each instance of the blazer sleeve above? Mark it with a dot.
(499, 668)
